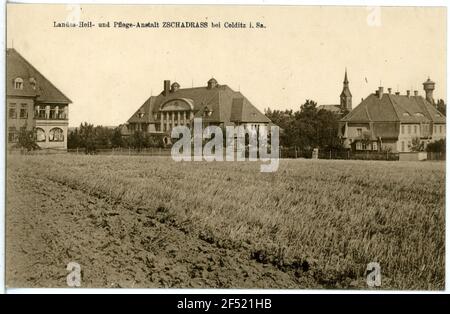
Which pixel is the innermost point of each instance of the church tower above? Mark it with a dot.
(346, 95)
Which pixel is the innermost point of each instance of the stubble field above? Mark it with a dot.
(152, 222)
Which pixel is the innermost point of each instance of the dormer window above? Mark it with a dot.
(419, 114)
(33, 82)
(406, 114)
(18, 83)
(207, 112)
(141, 114)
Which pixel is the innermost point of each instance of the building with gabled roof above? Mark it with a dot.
(216, 104)
(388, 121)
(34, 103)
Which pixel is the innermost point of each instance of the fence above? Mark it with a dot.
(367, 155)
(152, 151)
(435, 156)
(285, 152)
(294, 152)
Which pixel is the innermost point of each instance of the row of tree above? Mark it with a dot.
(90, 138)
(308, 127)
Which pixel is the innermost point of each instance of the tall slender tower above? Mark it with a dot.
(428, 86)
(346, 95)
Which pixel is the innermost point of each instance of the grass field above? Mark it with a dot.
(311, 224)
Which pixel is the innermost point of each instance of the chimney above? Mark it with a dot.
(166, 87)
(380, 92)
(416, 93)
(389, 90)
(408, 93)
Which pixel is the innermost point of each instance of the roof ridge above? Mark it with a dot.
(367, 113)
(393, 107)
(424, 106)
(38, 72)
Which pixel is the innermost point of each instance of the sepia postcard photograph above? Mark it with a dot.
(269, 147)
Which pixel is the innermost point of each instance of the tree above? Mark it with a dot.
(308, 127)
(87, 137)
(416, 145)
(283, 119)
(116, 138)
(441, 106)
(328, 129)
(436, 146)
(103, 136)
(73, 139)
(138, 140)
(27, 140)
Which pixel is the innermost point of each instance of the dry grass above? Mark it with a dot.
(329, 218)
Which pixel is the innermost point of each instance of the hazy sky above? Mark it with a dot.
(301, 54)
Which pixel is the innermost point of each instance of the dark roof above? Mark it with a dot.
(394, 108)
(17, 66)
(226, 105)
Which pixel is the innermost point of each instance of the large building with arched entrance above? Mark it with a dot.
(216, 104)
(34, 103)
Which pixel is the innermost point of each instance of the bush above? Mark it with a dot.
(436, 146)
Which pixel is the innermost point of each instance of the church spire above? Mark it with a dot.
(346, 95)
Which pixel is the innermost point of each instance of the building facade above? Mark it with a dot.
(34, 103)
(393, 122)
(216, 104)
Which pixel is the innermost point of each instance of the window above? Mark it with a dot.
(358, 146)
(40, 135)
(440, 129)
(409, 129)
(39, 112)
(18, 83)
(52, 113)
(359, 132)
(23, 111)
(12, 114)
(374, 146)
(12, 135)
(61, 113)
(56, 135)
(364, 146)
(415, 129)
(403, 129)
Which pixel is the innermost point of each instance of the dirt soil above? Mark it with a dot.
(50, 224)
